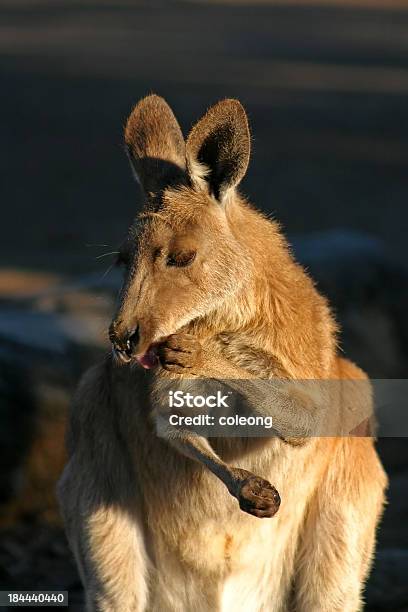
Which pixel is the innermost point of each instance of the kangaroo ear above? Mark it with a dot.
(218, 148)
(155, 145)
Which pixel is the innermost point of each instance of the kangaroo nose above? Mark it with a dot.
(124, 343)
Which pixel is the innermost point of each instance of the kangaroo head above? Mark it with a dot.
(182, 257)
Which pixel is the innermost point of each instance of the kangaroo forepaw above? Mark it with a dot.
(258, 497)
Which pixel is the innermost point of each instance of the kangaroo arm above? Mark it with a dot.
(296, 407)
(300, 409)
(255, 495)
(199, 449)
(294, 413)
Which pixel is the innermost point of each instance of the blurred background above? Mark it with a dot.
(325, 84)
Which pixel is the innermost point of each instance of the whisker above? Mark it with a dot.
(106, 254)
(107, 271)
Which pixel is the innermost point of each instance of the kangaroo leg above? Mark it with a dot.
(338, 538)
(100, 510)
(108, 545)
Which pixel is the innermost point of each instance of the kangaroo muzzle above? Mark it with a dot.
(125, 345)
(124, 341)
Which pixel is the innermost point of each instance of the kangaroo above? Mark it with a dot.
(180, 522)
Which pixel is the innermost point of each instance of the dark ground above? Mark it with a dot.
(326, 89)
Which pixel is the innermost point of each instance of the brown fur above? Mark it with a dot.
(151, 526)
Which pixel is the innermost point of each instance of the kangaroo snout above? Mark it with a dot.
(126, 346)
(124, 341)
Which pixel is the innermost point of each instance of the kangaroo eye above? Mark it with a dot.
(156, 253)
(181, 260)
